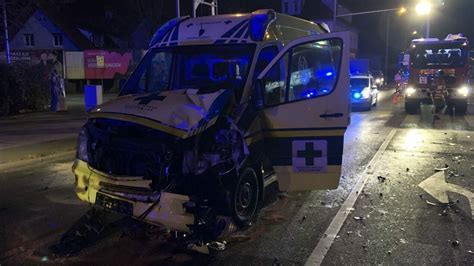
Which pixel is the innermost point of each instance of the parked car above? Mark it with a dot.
(363, 91)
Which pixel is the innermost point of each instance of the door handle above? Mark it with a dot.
(331, 115)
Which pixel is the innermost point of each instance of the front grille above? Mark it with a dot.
(128, 149)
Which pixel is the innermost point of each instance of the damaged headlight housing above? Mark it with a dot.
(82, 146)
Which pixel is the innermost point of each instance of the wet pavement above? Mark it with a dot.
(392, 219)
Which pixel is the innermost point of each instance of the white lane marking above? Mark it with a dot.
(438, 188)
(320, 251)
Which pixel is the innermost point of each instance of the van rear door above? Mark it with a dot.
(307, 110)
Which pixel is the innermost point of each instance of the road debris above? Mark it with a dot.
(470, 252)
(431, 203)
(439, 169)
(408, 169)
(276, 262)
(383, 212)
(403, 241)
(358, 218)
(455, 243)
(389, 252)
(381, 178)
(303, 219)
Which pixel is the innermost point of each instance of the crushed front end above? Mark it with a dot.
(182, 184)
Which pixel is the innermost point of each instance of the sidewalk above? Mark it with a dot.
(35, 135)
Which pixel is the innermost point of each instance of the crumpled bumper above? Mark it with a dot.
(169, 212)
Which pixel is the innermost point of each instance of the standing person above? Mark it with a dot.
(398, 79)
(54, 90)
(439, 93)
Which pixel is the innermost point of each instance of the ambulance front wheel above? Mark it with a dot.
(244, 197)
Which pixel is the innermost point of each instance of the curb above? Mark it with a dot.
(12, 166)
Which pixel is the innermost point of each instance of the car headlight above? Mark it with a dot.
(365, 93)
(378, 81)
(464, 91)
(82, 146)
(409, 91)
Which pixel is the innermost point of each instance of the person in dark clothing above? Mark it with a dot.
(439, 93)
(54, 90)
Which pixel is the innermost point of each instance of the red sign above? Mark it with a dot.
(100, 64)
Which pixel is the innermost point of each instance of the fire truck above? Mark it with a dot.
(430, 56)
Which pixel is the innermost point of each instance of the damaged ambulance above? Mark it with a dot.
(219, 108)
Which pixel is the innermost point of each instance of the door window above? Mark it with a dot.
(275, 82)
(314, 69)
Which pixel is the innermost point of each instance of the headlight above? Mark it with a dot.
(378, 81)
(464, 91)
(82, 146)
(365, 93)
(409, 91)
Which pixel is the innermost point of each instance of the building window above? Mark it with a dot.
(58, 39)
(29, 40)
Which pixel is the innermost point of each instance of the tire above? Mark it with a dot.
(244, 197)
(369, 106)
(411, 107)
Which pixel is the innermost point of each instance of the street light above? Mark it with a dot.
(400, 11)
(423, 8)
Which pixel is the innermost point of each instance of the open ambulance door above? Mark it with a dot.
(306, 110)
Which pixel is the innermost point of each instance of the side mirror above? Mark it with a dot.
(257, 93)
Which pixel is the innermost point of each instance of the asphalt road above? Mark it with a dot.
(380, 214)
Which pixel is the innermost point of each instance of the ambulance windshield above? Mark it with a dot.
(205, 67)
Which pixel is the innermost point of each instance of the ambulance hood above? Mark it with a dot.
(179, 112)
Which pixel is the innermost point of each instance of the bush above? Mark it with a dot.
(23, 88)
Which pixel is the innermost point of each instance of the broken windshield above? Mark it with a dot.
(204, 67)
(439, 55)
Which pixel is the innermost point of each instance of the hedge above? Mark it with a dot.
(23, 88)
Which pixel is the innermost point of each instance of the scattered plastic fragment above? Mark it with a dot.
(389, 252)
(439, 169)
(349, 232)
(383, 212)
(403, 241)
(276, 262)
(455, 243)
(381, 178)
(358, 218)
(470, 252)
(431, 203)
(44, 258)
(303, 219)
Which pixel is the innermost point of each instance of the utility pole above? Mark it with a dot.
(177, 9)
(5, 27)
(334, 17)
(386, 46)
(428, 22)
